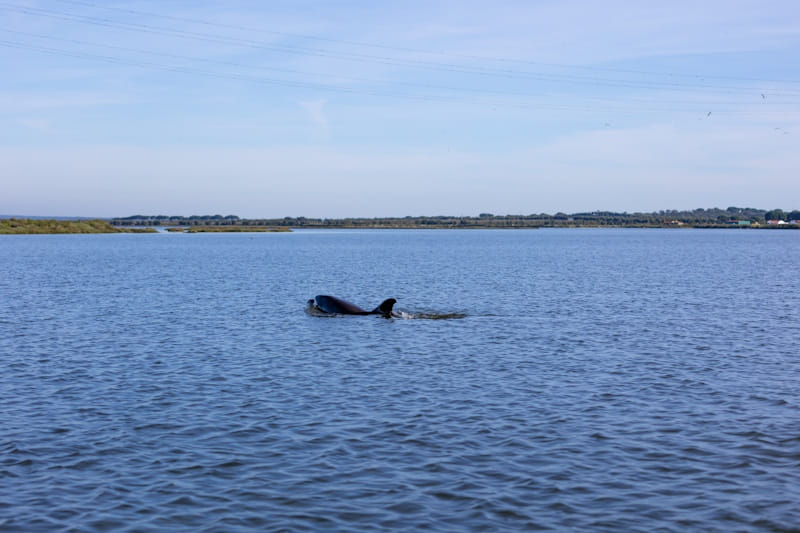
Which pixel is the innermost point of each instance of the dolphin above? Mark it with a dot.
(333, 305)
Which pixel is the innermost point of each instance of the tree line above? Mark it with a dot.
(714, 217)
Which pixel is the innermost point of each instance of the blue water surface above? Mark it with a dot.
(601, 380)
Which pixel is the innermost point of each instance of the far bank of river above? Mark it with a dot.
(15, 226)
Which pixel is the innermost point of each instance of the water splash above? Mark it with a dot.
(405, 315)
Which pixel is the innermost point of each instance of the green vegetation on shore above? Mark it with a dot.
(14, 226)
(732, 217)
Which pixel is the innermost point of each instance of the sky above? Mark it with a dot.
(351, 108)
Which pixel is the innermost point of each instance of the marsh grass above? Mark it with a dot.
(26, 226)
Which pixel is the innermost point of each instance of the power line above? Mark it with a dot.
(234, 76)
(443, 67)
(342, 77)
(306, 85)
(262, 67)
(237, 41)
(414, 50)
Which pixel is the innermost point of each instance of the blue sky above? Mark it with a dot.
(356, 108)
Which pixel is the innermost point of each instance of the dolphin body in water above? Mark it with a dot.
(333, 305)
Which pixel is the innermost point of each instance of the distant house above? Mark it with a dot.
(778, 222)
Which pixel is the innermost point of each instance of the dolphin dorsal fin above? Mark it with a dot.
(386, 307)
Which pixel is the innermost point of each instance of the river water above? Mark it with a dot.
(580, 379)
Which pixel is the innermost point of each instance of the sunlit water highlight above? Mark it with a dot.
(587, 379)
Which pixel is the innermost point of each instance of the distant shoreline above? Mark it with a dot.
(23, 226)
(697, 218)
(74, 228)
(714, 218)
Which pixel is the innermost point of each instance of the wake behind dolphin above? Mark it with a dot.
(325, 305)
(427, 316)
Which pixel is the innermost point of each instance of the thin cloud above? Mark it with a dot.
(314, 112)
(36, 124)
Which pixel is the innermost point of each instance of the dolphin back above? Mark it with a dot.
(334, 305)
(331, 304)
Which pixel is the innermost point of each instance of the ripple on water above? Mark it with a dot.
(194, 393)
